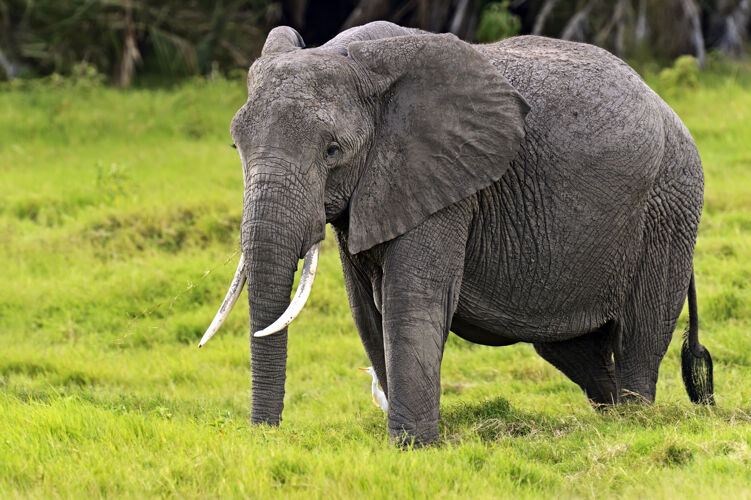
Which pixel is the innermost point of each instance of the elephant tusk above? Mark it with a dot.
(301, 295)
(238, 282)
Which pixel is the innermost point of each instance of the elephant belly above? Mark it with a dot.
(498, 326)
(479, 335)
(551, 253)
(540, 270)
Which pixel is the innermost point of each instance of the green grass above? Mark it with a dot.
(119, 218)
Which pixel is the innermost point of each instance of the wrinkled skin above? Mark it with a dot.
(531, 190)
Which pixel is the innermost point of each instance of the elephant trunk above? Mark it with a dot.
(274, 236)
(271, 261)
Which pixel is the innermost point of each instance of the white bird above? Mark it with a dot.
(379, 398)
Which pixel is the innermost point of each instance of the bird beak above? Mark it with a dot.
(363, 369)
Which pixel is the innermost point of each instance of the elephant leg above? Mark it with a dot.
(588, 361)
(659, 289)
(364, 312)
(421, 281)
(648, 322)
(644, 341)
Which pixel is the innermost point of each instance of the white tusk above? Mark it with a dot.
(238, 282)
(301, 295)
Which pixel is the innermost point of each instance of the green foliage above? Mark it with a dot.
(122, 37)
(683, 74)
(86, 75)
(83, 76)
(113, 181)
(103, 392)
(497, 23)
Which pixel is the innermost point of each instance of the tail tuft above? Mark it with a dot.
(696, 366)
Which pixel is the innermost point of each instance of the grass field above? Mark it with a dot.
(119, 224)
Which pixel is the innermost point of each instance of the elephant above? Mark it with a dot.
(529, 190)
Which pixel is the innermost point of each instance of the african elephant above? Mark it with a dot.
(530, 190)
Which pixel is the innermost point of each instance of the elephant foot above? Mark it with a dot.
(414, 435)
(629, 397)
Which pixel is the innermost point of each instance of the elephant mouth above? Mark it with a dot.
(310, 266)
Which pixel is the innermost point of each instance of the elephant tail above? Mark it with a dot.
(696, 363)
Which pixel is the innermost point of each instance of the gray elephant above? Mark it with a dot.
(530, 190)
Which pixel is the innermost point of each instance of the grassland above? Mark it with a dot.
(119, 216)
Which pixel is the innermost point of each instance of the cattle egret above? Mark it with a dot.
(379, 398)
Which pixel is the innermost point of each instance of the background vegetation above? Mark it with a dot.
(119, 217)
(139, 41)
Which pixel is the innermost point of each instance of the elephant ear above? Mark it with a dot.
(282, 39)
(449, 125)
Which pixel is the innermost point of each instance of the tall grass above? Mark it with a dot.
(119, 218)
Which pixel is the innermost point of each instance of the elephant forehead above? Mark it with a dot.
(298, 98)
(283, 124)
(303, 75)
(286, 114)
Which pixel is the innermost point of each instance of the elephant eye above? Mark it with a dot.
(332, 149)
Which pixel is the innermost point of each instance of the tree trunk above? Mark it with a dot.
(734, 30)
(691, 11)
(545, 11)
(576, 27)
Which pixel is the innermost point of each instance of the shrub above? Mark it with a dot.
(497, 23)
(684, 73)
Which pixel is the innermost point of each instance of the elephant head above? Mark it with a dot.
(378, 129)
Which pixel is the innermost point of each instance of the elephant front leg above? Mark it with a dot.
(364, 312)
(415, 331)
(421, 281)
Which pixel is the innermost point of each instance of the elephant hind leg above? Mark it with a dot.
(645, 339)
(659, 288)
(649, 318)
(588, 361)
